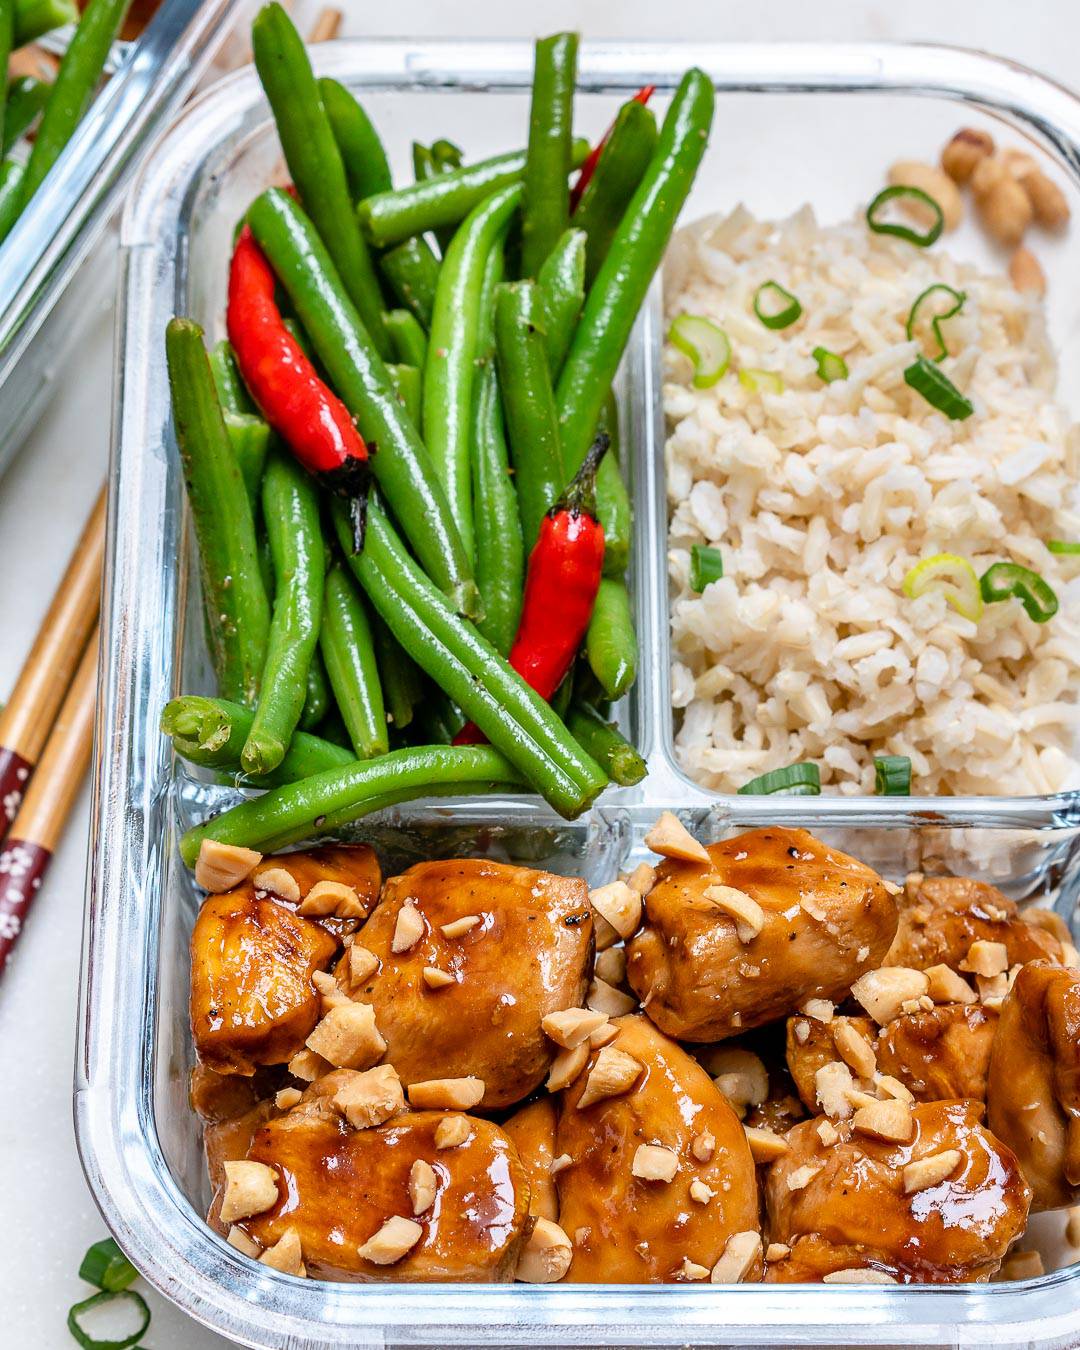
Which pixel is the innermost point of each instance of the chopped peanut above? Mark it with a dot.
(566, 1067)
(613, 1073)
(765, 1145)
(285, 1255)
(394, 1239)
(833, 1086)
(278, 882)
(700, 1193)
(777, 1251)
(362, 963)
(370, 1098)
(948, 987)
(892, 1087)
(603, 998)
(690, 1270)
(287, 1098)
(884, 992)
(827, 1133)
(962, 155)
(820, 1009)
(654, 1162)
(803, 1176)
(220, 867)
(858, 1275)
(348, 1037)
(452, 1131)
(992, 989)
(740, 1254)
(748, 915)
(741, 1077)
(671, 839)
(642, 879)
(546, 1255)
(603, 1035)
(457, 1094)
(855, 1050)
(332, 897)
(250, 1188)
(459, 927)
(931, 1171)
(619, 905)
(309, 1066)
(986, 958)
(408, 930)
(242, 1242)
(572, 1026)
(560, 1164)
(422, 1185)
(703, 1146)
(435, 978)
(610, 966)
(890, 1120)
(329, 994)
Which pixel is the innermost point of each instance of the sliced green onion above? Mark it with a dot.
(106, 1266)
(705, 344)
(892, 775)
(938, 390)
(795, 780)
(958, 298)
(97, 1300)
(1005, 580)
(829, 366)
(954, 577)
(761, 381)
(898, 191)
(706, 564)
(775, 306)
(1062, 546)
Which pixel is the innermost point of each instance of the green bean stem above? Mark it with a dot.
(500, 549)
(237, 610)
(562, 294)
(291, 512)
(412, 273)
(401, 462)
(611, 643)
(619, 170)
(606, 744)
(349, 655)
(314, 160)
(366, 166)
(546, 204)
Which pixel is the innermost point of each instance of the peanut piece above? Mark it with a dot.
(671, 839)
(748, 915)
(931, 1171)
(833, 1086)
(243, 1243)
(422, 1185)
(642, 879)
(1049, 203)
(452, 1131)
(602, 998)
(962, 155)
(572, 1026)
(278, 882)
(891, 1120)
(765, 1145)
(986, 958)
(394, 1239)
(619, 905)
(362, 963)
(858, 1275)
(703, 1146)
(435, 978)
(945, 986)
(287, 1098)
(546, 1255)
(1006, 211)
(459, 927)
(370, 1098)
(1025, 273)
(653, 1162)
(332, 897)
(700, 1193)
(309, 1066)
(613, 1073)
(347, 1037)
(884, 992)
(854, 1049)
(690, 1270)
(740, 1254)
(250, 1188)
(567, 1067)
(408, 930)
(457, 1094)
(803, 1176)
(220, 867)
(285, 1255)
(610, 966)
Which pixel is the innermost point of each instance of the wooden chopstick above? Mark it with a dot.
(27, 719)
(326, 26)
(25, 855)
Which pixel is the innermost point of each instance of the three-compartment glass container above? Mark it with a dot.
(793, 123)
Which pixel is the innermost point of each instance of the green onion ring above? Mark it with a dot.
(1063, 547)
(89, 1342)
(953, 576)
(958, 298)
(899, 190)
(938, 390)
(706, 565)
(794, 780)
(1004, 580)
(829, 366)
(761, 381)
(892, 775)
(705, 344)
(779, 318)
(106, 1266)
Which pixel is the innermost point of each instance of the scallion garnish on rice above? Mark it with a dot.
(829, 366)
(794, 780)
(892, 775)
(761, 381)
(705, 344)
(922, 308)
(775, 306)
(954, 577)
(706, 565)
(1005, 580)
(1063, 547)
(938, 390)
(880, 224)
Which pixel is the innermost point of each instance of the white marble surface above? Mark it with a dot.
(47, 1218)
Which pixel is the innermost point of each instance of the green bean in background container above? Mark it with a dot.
(367, 169)
(408, 337)
(500, 547)
(237, 610)
(546, 200)
(408, 382)
(606, 743)
(291, 512)
(314, 160)
(317, 697)
(35, 18)
(619, 170)
(399, 678)
(532, 421)
(611, 643)
(453, 348)
(562, 294)
(411, 271)
(401, 463)
(348, 651)
(440, 157)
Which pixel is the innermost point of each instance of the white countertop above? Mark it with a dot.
(47, 1218)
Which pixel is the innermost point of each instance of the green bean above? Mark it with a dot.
(26, 97)
(349, 654)
(611, 643)
(11, 180)
(500, 550)
(211, 732)
(7, 32)
(615, 297)
(333, 729)
(329, 800)
(613, 507)
(438, 721)
(619, 170)
(237, 611)
(494, 272)
(71, 92)
(469, 670)
(412, 273)
(408, 384)
(291, 512)
(560, 700)
(390, 217)
(408, 337)
(366, 166)
(317, 700)
(402, 464)
(451, 354)
(562, 293)
(606, 744)
(441, 157)
(609, 423)
(445, 155)
(531, 419)
(231, 391)
(266, 561)
(545, 210)
(248, 433)
(314, 160)
(398, 676)
(35, 18)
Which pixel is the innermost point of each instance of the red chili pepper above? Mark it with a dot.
(560, 588)
(309, 417)
(593, 158)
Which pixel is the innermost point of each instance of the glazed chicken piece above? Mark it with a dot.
(940, 917)
(706, 966)
(1034, 1083)
(339, 1186)
(938, 1054)
(532, 1132)
(627, 1228)
(470, 1004)
(351, 865)
(941, 1208)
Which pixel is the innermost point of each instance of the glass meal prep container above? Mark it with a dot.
(55, 270)
(793, 123)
